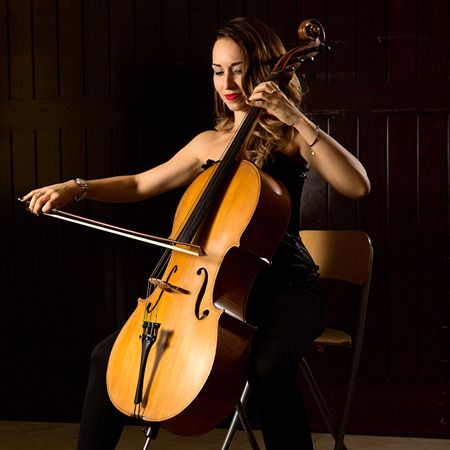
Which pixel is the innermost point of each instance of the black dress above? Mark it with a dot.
(287, 306)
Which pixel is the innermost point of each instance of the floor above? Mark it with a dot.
(58, 436)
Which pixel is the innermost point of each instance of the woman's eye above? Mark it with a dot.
(217, 73)
(238, 71)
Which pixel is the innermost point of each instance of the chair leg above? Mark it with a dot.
(339, 440)
(239, 414)
(321, 403)
(231, 430)
(358, 340)
(347, 402)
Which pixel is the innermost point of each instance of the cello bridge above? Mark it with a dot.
(167, 287)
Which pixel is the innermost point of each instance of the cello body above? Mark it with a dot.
(196, 368)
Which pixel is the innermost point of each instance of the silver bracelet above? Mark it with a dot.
(84, 186)
(316, 137)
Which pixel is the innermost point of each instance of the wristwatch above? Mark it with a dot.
(84, 186)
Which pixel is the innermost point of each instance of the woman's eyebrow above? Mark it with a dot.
(232, 64)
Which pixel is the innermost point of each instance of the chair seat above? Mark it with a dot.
(332, 338)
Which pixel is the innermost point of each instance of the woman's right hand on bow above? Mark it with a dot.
(49, 197)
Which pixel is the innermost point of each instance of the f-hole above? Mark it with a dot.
(201, 294)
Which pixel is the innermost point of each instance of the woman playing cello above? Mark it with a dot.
(286, 304)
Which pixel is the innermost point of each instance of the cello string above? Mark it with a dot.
(195, 211)
(157, 272)
(236, 141)
(210, 180)
(204, 200)
(229, 153)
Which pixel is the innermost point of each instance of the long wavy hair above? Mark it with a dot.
(261, 47)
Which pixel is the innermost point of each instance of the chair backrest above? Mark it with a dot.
(340, 255)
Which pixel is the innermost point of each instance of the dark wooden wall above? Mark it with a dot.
(97, 88)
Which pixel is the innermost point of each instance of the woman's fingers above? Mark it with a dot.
(37, 201)
(269, 96)
(264, 92)
(43, 200)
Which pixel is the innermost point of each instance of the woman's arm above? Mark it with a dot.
(331, 160)
(336, 165)
(179, 170)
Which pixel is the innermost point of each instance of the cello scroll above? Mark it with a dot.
(312, 42)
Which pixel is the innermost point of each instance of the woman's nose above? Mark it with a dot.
(229, 81)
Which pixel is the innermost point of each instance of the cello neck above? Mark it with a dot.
(219, 178)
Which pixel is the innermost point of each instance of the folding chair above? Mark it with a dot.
(341, 255)
(346, 256)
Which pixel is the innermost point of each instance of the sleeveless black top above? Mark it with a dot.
(291, 258)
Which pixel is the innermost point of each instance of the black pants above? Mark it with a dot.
(289, 315)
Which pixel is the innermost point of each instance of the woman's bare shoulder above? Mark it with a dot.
(208, 136)
(210, 144)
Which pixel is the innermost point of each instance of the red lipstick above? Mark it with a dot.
(232, 96)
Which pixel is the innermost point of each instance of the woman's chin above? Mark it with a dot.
(238, 106)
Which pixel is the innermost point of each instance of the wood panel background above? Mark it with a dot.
(97, 88)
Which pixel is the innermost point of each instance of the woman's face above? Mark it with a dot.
(228, 67)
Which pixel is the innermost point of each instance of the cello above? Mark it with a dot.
(180, 359)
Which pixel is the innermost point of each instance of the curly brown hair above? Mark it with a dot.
(261, 47)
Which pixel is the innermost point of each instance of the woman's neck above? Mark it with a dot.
(238, 118)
